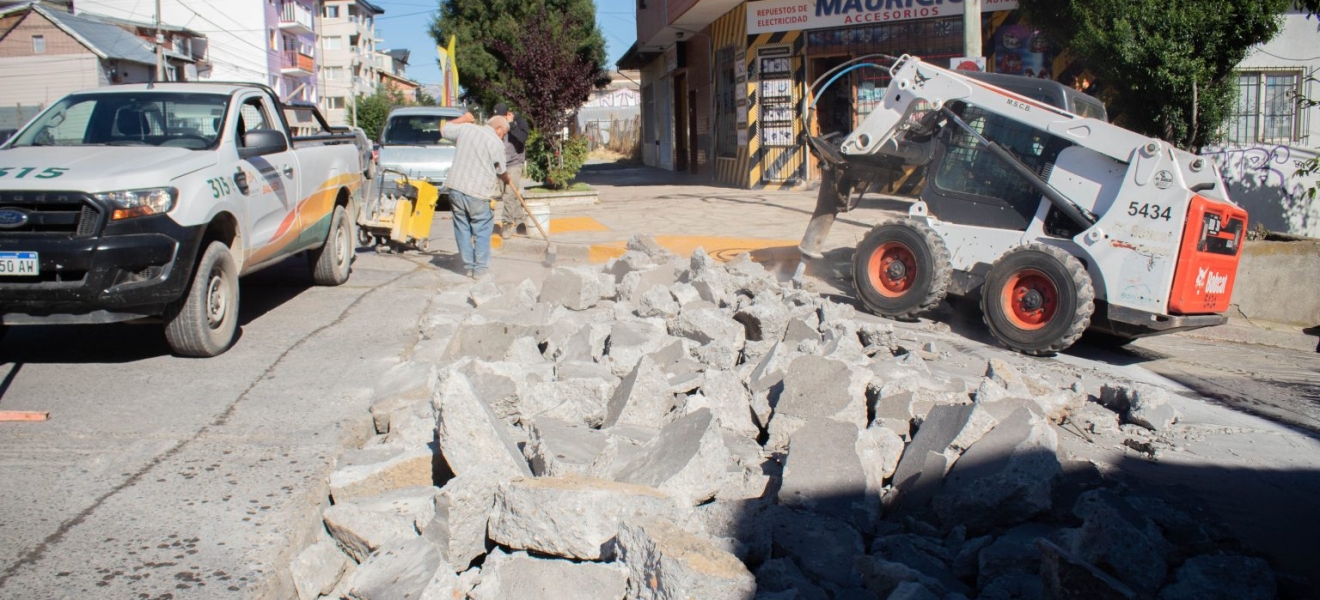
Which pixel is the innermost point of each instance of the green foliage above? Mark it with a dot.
(478, 24)
(1166, 66)
(371, 111)
(555, 162)
(425, 99)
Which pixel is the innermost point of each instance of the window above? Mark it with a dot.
(274, 40)
(38, 44)
(171, 73)
(1266, 107)
(332, 12)
(726, 103)
(333, 73)
(333, 42)
(334, 102)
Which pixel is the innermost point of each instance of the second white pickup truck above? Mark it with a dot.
(150, 201)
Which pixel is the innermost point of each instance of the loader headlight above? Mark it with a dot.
(139, 203)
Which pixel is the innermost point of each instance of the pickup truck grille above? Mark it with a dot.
(70, 213)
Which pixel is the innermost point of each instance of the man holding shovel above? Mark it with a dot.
(474, 179)
(515, 156)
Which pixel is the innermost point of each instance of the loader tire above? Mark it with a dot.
(901, 269)
(332, 262)
(1037, 299)
(203, 325)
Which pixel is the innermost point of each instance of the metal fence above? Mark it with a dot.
(621, 135)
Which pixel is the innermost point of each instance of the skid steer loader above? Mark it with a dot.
(1061, 222)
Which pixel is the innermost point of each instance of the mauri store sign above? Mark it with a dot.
(792, 15)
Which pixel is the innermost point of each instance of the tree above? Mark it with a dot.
(479, 24)
(370, 111)
(1165, 66)
(424, 98)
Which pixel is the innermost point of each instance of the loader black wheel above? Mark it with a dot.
(332, 262)
(204, 324)
(1037, 299)
(901, 269)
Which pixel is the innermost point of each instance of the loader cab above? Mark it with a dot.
(967, 184)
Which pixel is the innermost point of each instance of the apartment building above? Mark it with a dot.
(348, 56)
(263, 41)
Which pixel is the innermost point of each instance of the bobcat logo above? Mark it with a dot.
(1200, 277)
(1213, 283)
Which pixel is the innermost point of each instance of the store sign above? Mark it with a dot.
(793, 15)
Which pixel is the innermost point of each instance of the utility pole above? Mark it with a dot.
(971, 28)
(160, 47)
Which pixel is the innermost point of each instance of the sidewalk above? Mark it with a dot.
(684, 212)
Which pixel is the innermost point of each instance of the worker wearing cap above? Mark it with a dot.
(515, 156)
(474, 180)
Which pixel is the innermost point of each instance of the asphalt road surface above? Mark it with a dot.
(166, 477)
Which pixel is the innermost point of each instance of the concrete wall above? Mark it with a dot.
(1263, 177)
(1277, 282)
(31, 80)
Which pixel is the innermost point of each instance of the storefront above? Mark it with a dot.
(757, 60)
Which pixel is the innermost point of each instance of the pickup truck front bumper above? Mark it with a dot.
(99, 273)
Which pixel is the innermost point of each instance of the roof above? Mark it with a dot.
(371, 7)
(103, 38)
(634, 59)
(426, 111)
(400, 55)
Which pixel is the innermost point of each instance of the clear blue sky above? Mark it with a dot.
(406, 22)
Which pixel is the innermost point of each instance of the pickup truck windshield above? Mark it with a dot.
(177, 120)
(420, 130)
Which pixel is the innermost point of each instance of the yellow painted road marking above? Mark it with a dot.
(574, 224)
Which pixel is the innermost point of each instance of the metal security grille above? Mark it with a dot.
(67, 213)
(1266, 107)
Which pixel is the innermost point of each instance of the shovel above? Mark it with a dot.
(550, 250)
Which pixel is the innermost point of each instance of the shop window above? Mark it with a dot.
(726, 103)
(1266, 107)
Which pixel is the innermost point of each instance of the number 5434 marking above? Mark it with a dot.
(1153, 212)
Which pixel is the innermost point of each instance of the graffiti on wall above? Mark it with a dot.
(1263, 179)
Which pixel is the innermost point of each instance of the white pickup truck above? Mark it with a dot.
(148, 202)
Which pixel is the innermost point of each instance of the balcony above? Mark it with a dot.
(296, 18)
(293, 62)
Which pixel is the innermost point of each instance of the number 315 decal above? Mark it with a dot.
(21, 172)
(1152, 211)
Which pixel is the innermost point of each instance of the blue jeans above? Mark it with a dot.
(473, 223)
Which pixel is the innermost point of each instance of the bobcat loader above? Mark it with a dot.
(1060, 222)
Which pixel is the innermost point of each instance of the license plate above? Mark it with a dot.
(19, 263)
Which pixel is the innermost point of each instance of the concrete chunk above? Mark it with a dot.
(377, 469)
(818, 387)
(1064, 575)
(318, 568)
(657, 302)
(573, 517)
(559, 447)
(941, 427)
(642, 398)
(1005, 478)
(1222, 576)
(366, 524)
(879, 449)
(488, 340)
(1150, 408)
(397, 572)
(574, 288)
(730, 401)
(665, 561)
(471, 435)
(687, 460)
(825, 548)
(717, 332)
(461, 510)
(401, 387)
(519, 576)
(629, 341)
(823, 473)
(580, 401)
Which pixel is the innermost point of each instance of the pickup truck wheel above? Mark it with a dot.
(332, 262)
(1037, 299)
(205, 323)
(901, 269)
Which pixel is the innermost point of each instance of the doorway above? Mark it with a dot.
(834, 107)
(681, 141)
(692, 130)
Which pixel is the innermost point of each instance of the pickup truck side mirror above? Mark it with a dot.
(259, 142)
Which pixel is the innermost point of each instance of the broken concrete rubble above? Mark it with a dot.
(711, 424)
